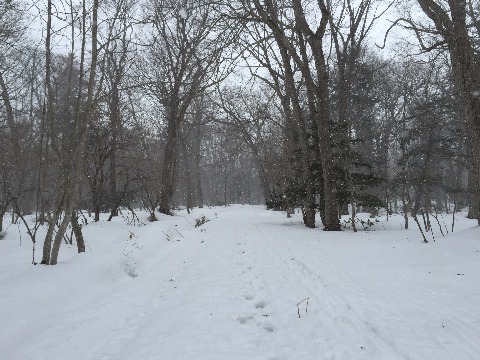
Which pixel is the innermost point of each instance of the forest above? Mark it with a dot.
(239, 180)
(331, 107)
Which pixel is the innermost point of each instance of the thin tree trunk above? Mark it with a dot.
(405, 206)
(47, 244)
(414, 211)
(354, 215)
(58, 238)
(225, 186)
(77, 230)
(199, 191)
(9, 114)
(454, 210)
(114, 123)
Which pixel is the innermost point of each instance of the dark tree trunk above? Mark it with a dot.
(114, 123)
(59, 237)
(309, 212)
(332, 222)
(473, 205)
(197, 159)
(322, 106)
(77, 230)
(52, 221)
(97, 213)
(199, 192)
(299, 129)
(169, 164)
(47, 246)
(405, 206)
(187, 175)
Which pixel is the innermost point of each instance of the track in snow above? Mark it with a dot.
(229, 290)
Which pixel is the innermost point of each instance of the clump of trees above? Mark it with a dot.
(159, 104)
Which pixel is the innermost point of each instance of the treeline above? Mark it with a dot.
(160, 104)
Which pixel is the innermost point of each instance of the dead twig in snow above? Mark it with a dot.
(306, 307)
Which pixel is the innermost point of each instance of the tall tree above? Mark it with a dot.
(451, 24)
(185, 60)
(11, 29)
(350, 23)
(301, 42)
(70, 152)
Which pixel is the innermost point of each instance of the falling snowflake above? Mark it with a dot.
(183, 13)
(476, 93)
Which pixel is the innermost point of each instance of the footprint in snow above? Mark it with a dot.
(249, 297)
(261, 304)
(244, 319)
(268, 328)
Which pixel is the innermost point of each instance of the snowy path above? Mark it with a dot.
(229, 290)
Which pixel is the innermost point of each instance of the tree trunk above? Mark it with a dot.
(169, 164)
(354, 215)
(414, 211)
(310, 208)
(322, 105)
(225, 186)
(199, 193)
(47, 244)
(332, 222)
(405, 207)
(298, 127)
(77, 230)
(187, 175)
(58, 238)
(97, 213)
(15, 140)
(473, 199)
(114, 123)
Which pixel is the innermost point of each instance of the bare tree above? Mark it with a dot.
(70, 153)
(185, 59)
(301, 42)
(454, 27)
(349, 23)
(118, 59)
(251, 116)
(300, 181)
(450, 20)
(13, 170)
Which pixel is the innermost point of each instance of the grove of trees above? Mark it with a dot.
(332, 107)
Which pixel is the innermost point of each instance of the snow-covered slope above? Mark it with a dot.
(231, 289)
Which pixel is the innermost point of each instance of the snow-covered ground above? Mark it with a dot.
(231, 289)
